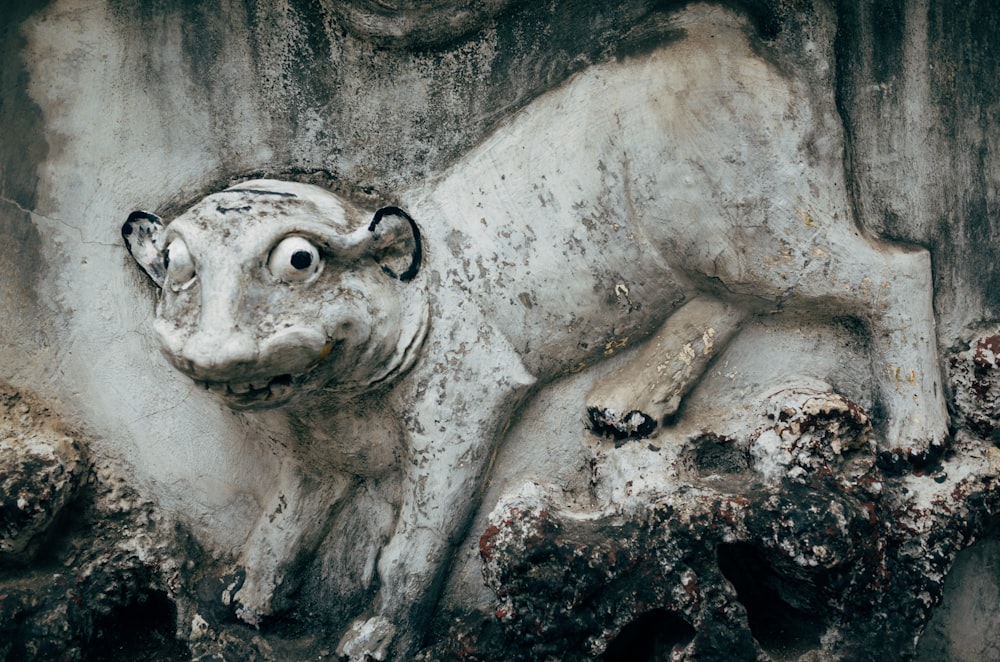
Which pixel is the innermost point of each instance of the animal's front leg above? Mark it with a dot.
(453, 430)
(293, 522)
(432, 522)
(638, 396)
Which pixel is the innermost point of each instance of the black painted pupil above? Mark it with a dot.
(301, 260)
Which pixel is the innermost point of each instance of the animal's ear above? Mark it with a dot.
(141, 233)
(396, 243)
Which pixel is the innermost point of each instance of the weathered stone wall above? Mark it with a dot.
(108, 107)
(914, 89)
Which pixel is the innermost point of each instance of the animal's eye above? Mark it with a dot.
(294, 259)
(178, 263)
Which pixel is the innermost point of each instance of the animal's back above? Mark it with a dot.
(580, 224)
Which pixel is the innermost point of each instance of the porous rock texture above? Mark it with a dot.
(773, 527)
(84, 572)
(843, 559)
(41, 468)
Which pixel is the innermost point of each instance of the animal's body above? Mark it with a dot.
(658, 201)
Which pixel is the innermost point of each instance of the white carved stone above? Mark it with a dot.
(661, 202)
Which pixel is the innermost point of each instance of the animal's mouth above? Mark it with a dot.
(255, 394)
(245, 390)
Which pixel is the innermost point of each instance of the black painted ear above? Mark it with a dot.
(140, 233)
(397, 244)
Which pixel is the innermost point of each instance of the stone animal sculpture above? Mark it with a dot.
(658, 202)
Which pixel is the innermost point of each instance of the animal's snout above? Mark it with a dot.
(295, 350)
(210, 356)
(213, 356)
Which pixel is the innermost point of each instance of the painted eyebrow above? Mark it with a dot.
(257, 191)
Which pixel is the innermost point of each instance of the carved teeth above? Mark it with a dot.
(279, 390)
(255, 389)
(277, 387)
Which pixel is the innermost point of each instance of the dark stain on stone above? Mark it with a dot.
(304, 58)
(22, 149)
(964, 52)
(622, 428)
(952, 51)
(226, 210)
(717, 454)
(887, 21)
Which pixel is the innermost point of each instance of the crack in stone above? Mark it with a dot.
(15, 204)
(161, 411)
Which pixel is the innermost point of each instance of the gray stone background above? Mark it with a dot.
(106, 107)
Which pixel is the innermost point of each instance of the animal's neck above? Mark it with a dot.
(360, 436)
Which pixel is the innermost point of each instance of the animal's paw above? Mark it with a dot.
(247, 601)
(919, 432)
(249, 616)
(625, 410)
(609, 423)
(367, 639)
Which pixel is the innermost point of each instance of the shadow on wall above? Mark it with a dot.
(652, 636)
(141, 630)
(785, 631)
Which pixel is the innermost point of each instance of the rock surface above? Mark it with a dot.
(769, 519)
(41, 469)
(85, 571)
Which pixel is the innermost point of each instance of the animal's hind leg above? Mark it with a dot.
(649, 388)
(891, 288)
(906, 360)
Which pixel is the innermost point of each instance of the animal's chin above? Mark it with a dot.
(257, 394)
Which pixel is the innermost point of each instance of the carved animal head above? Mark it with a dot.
(272, 289)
